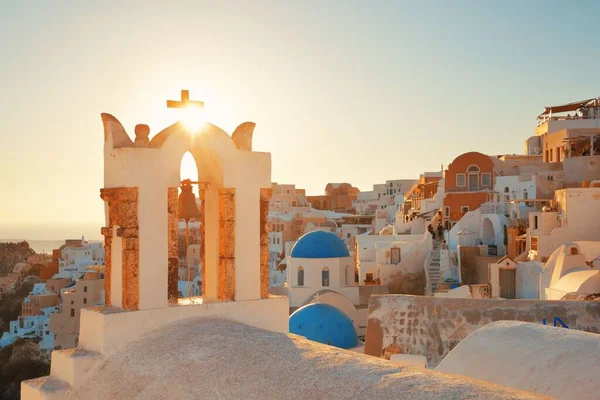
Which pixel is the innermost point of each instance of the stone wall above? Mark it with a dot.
(433, 326)
(173, 243)
(226, 244)
(122, 213)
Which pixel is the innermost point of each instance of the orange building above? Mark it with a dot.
(468, 182)
(338, 197)
(48, 271)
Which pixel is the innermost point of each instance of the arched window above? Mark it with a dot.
(300, 276)
(473, 178)
(325, 277)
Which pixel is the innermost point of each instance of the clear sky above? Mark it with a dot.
(355, 91)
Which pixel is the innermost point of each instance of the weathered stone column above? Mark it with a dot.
(107, 233)
(227, 244)
(123, 212)
(265, 198)
(202, 195)
(173, 243)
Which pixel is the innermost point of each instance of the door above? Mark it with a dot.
(473, 182)
(507, 283)
(395, 255)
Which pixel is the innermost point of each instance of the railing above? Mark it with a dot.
(541, 121)
(492, 208)
(486, 189)
(557, 321)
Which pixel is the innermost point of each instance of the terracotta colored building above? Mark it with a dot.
(468, 183)
(48, 271)
(338, 197)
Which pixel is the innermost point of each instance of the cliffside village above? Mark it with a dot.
(518, 232)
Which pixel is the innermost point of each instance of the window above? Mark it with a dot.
(486, 179)
(85, 289)
(349, 235)
(535, 222)
(47, 332)
(473, 168)
(325, 277)
(72, 312)
(525, 194)
(464, 209)
(85, 300)
(461, 180)
(72, 302)
(300, 276)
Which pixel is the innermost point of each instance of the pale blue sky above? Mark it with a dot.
(340, 91)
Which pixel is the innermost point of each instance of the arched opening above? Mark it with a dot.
(488, 235)
(189, 235)
(325, 277)
(573, 250)
(300, 276)
(473, 178)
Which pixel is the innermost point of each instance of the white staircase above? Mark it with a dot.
(434, 268)
(69, 368)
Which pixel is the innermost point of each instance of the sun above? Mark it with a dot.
(193, 117)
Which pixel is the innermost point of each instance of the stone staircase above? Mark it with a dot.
(69, 368)
(434, 267)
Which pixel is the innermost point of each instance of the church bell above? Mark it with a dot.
(187, 208)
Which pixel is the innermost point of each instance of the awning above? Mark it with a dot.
(565, 107)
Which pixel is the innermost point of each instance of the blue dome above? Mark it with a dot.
(320, 244)
(325, 324)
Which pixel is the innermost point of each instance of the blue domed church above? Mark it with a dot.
(320, 271)
(325, 324)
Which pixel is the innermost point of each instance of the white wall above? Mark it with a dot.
(367, 244)
(528, 279)
(576, 220)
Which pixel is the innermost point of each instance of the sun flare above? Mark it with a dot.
(193, 117)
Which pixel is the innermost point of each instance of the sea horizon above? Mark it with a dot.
(45, 246)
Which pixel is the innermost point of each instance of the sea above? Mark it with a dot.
(44, 246)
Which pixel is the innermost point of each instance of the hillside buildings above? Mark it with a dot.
(338, 197)
(51, 311)
(65, 322)
(238, 332)
(286, 198)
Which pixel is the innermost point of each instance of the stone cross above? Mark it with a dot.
(184, 102)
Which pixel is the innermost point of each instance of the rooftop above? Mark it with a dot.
(212, 358)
